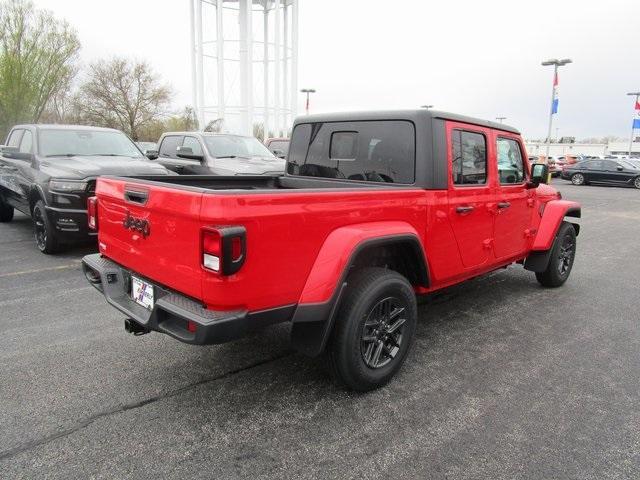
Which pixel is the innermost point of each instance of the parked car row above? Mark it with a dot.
(49, 171)
(606, 171)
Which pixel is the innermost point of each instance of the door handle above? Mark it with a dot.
(465, 209)
(502, 205)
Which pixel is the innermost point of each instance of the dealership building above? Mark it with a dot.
(594, 149)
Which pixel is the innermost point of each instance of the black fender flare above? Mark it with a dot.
(313, 323)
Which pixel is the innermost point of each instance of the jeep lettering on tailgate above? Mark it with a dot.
(139, 225)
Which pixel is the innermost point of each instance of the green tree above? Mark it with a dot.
(38, 55)
(183, 122)
(123, 94)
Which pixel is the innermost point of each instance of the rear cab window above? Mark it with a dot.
(381, 151)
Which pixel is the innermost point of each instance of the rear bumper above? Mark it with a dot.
(70, 225)
(172, 311)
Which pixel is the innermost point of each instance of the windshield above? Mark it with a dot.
(235, 146)
(63, 142)
(627, 164)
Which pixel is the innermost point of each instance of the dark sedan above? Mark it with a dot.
(611, 172)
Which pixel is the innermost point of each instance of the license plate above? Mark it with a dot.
(142, 292)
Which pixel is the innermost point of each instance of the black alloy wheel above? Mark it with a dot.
(45, 236)
(382, 332)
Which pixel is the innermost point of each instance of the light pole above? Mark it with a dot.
(426, 106)
(637, 95)
(307, 91)
(554, 93)
(500, 119)
(557, 128)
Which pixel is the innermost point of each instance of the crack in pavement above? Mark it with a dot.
(129, 406)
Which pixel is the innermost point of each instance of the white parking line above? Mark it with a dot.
(25, 272)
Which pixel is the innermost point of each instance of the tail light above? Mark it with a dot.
(92, 213)
(224, 249)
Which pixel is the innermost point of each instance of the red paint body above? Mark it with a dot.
(299, 241)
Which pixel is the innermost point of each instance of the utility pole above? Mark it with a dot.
(500, 119)
(307, 91)
(554, 93)
(636, 104)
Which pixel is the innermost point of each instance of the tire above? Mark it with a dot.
(6, 212)
(561, 260)
(45, 235)
(578, 179)
(636, 182)
(374, 329)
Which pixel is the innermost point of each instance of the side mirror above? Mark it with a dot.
(620, 168)
(187, 152)
(539, 174)
(278, 153)
(151, 154)
(16, 154)
(8, 151)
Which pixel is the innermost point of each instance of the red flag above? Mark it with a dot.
(638, 103)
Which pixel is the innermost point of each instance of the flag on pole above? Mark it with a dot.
(636, 123)
(554, 106)
(637, 102)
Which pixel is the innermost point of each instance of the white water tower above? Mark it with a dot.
(244, 59)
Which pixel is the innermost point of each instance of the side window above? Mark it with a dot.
(510, 164)
(194, 144)
(609, 165)
(14, 138)
(594, 165)
(26, 145)
(469, 162)
(169, 146)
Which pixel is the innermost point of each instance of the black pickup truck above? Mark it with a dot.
(49, 171)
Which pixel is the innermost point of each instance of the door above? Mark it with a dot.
(514, 202)
(470, 193)
(614, 172)
(594, 171)
(15, 173)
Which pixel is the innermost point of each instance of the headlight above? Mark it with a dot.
(67, 186)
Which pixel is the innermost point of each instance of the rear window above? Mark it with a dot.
(372, 151)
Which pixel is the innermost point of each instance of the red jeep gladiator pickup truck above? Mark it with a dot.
(373, 209)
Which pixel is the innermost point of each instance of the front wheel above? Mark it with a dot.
(43, 230)
(6, 211)
(561, 260)
(636, 182)
(374, 329)
(577, 179)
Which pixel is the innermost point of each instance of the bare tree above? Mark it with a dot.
(123, 94)
(38, 56)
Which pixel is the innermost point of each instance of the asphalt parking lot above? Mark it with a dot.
(505, 380)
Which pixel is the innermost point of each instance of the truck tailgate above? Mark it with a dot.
(152, 230)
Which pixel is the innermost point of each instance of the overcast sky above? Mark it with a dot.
(480, 58)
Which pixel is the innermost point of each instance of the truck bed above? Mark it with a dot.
(286, 219)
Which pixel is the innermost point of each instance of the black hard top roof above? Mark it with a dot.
(402, 115)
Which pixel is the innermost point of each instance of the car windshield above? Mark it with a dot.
(68, 142)
(235, 146)
(627, 164)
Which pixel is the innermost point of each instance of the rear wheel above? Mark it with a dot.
(374, 329)
(563, 253)
(6, 211)
(44, 232)
(577, 179)
(636, 182)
